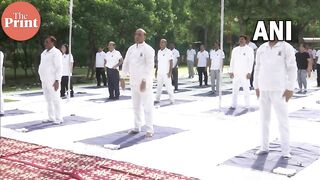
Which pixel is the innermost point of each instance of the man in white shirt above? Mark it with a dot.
(191, 55)
(216, 66)
(176, 58)
(67, 67)
(318, 67)
(139, 64)
(241, 64)
(274, 80)
(164, 70)
(113, 60)
(100, 68)
(202, 65)
(1, 82)
(50, 71)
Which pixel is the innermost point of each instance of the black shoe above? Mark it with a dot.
(1, 115)
(116, 98)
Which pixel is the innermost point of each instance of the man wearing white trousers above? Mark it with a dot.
(1, 82)
(242, 59)
(274, 80)
(164, 70)
(139, 64)
(50, 71)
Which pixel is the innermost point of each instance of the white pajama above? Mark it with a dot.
(142, 101)
(275, 99)
(236, 84)
(164, 79)
(53, 100)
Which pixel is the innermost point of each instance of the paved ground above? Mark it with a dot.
(209, 137)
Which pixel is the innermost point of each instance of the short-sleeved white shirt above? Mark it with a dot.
(216, 57)
(164, 58)
(202, 58)
(66, 69)
(191, 54)
(176, 55)
(252, 45)
(112, 58)
(100, 59)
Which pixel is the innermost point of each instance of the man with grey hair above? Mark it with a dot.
(139, 64)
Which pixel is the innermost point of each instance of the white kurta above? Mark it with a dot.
(139, 64)
(241, 64)
(1, 82)
(275, 71)
(50, 70)
(165, 56)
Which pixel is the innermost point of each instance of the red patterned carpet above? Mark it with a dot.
(21, 160)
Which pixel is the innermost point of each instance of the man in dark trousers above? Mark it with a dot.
(176, 58)
(113, 60)
(100, 71)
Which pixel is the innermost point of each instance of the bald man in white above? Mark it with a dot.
(139, 64)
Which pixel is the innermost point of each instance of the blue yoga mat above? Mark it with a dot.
(105, 100)
(235, 112)
(165, 103)
(303, 155)
(306, 114)
(16, 112)
(179, 91)
(210, 94)
(31, 94)
(38, 125)
(122, 139)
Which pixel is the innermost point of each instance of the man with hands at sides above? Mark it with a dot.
(139, 64)
(274, 80)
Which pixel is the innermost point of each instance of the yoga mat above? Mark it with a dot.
(306, 114)
(122, 139)
(179, 91)
(39, 125)
(166, 102)
(16, 112)
(198, 87)
(239, 111)
(105, 100)
(83, 94)
(303, 155)
(210, 94)
(31, 94)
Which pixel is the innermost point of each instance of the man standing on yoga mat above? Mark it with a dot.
(1, 80)
(164, 70)
(50, 71)
(274, 80)
(139, 64)
(241, 64)
(113, 59)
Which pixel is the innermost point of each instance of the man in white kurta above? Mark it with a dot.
(139, 64)
(50, 71)
(164, 70)
(274, 80)
(241, 64)
(1, 82)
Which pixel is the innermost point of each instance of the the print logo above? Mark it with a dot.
(280, 30)
(20, 21)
